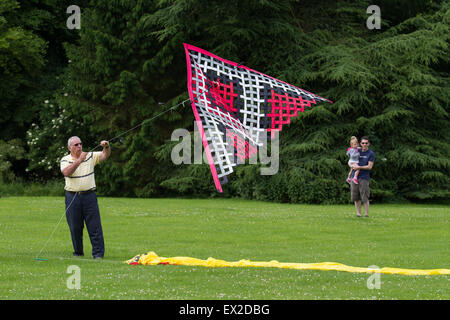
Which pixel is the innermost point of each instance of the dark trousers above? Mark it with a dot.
(80, 210)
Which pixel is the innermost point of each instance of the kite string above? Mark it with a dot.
(142, 123)
(112, 139)
(54, 229)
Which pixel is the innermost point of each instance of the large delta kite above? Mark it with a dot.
(235, 108)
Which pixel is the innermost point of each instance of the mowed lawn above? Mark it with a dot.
(403, 236)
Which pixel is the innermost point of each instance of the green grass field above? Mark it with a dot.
(404, 236)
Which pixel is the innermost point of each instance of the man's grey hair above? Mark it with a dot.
(70, 140)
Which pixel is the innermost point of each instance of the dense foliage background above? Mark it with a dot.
(126, 64)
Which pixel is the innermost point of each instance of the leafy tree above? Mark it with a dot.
(9, 151)
(115, 82)
(32, 60)
(21, 60)
(392, 86)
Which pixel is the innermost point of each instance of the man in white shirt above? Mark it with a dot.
(81, 200)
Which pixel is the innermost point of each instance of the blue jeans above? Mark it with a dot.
(84, 210)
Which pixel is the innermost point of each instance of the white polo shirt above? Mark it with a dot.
(83, 178)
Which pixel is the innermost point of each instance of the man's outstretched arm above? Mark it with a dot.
(106, 152)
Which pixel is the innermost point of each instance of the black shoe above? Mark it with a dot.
(78, 254)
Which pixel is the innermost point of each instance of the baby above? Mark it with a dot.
(353, 154)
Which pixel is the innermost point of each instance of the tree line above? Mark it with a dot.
(126, 64)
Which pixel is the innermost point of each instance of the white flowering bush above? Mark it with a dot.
(47, 139)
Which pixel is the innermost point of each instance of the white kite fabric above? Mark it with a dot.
(237, 108)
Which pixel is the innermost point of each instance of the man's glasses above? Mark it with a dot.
(78, 144)
(364, 143)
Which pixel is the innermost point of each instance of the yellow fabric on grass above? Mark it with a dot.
(151, 258)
